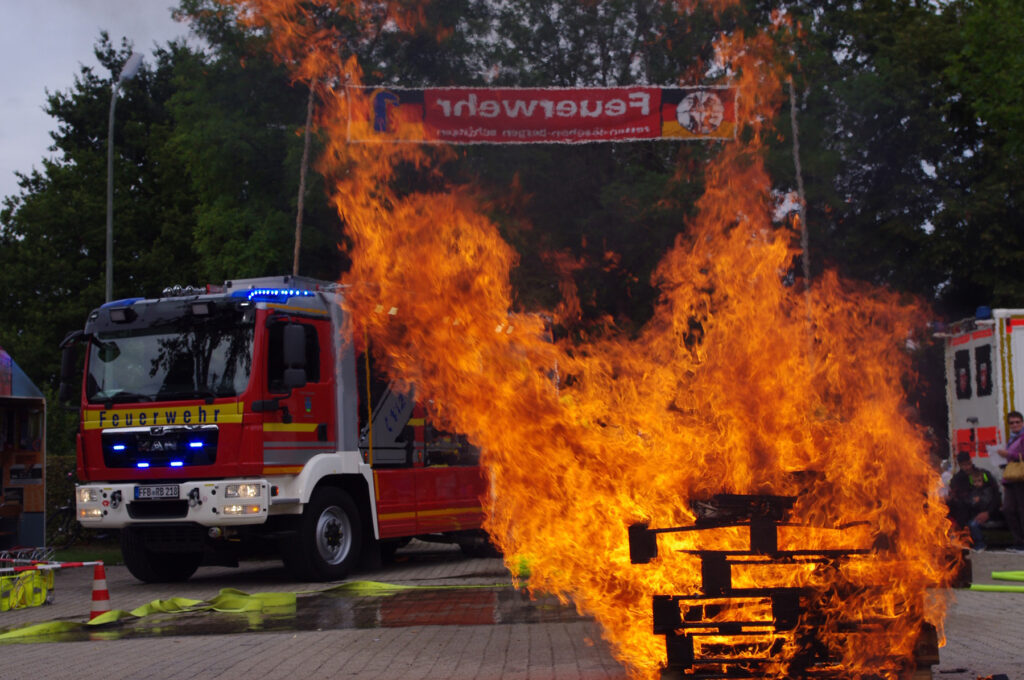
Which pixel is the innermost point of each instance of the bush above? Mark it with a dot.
(60, 492)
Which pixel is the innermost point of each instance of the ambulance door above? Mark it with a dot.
(974, 409)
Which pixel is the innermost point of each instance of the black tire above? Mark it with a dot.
(478, 545)
(329, 538)
(156, 567)
(389, 547)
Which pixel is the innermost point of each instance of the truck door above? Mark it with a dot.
(303, 425)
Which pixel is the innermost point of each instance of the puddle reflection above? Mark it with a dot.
(344, 609)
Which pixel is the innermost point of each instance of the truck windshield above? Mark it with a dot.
(184, 358)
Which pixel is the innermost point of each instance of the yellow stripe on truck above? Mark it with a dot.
(155, 416)
(289, 427)
(391, 516)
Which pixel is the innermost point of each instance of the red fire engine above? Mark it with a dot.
(234, 416)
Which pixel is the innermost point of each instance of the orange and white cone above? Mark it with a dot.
(100, 594)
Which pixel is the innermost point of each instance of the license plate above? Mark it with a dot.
(156, 491)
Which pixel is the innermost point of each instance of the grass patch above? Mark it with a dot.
(106, 552)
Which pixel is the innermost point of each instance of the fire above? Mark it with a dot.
(739, 384)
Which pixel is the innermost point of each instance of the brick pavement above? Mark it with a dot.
(985, 631)
(983, 634)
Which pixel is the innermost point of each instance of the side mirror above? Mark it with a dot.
(68, 365)
(294, 350)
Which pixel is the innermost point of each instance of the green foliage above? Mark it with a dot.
(911, 120)
(234, 123)
(205, 188)
(53, 234)
(979, 236)
(92, 549)
(60, 493)
(987, 69)
(903, 175)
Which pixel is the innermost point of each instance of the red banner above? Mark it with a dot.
(462, 115)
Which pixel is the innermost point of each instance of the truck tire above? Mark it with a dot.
(389, 547)
(478, 545)
(328, 540)
(156, 567)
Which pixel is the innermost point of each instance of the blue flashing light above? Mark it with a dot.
(177, 463)
(272, 294)
(127, 302)
(195, 445)
(118, 447)
(142, 464)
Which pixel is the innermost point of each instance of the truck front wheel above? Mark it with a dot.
(151, 566)
(329, 538)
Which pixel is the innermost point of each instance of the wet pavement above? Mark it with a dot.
(336, 609)
(444, 616)
(449, 617)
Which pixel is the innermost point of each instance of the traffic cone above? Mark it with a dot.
(100, 594)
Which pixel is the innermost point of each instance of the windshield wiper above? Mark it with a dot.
(122, 397)
(206, 393)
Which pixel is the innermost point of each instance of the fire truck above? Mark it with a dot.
(222, 419)
(984, 357)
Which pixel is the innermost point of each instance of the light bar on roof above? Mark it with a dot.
(272, 294)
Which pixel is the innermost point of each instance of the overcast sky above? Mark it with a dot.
(43, 44)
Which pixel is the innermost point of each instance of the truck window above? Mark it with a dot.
(167, 354)
(275, 365)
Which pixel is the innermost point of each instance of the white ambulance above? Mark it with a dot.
(984, 381)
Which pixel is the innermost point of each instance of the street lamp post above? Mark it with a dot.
(130, 68)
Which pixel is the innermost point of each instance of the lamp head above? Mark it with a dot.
(131, 67)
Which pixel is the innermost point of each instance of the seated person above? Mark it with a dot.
(973, 498)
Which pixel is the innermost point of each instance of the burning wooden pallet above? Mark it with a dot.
(724, 631)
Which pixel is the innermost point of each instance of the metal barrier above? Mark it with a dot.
(28, 582)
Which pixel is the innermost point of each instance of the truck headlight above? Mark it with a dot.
(86, 494)
(241, 509)
(242, 491)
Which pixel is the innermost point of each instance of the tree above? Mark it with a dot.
(53, 235)
(989, 66)
(979, 235)
(907, 183)
(206, 175)
(237, 132)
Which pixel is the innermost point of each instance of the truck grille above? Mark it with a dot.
(160, 447)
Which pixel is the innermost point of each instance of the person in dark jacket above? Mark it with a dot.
(973, 498)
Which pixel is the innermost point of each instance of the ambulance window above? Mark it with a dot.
(962, 373)
(983, 369)
(275, 366)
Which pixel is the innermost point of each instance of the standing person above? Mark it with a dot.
(1013, 496)
(973, 498)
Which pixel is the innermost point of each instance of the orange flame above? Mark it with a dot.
(738, 384)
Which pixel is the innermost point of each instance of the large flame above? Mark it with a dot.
(739, 383)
